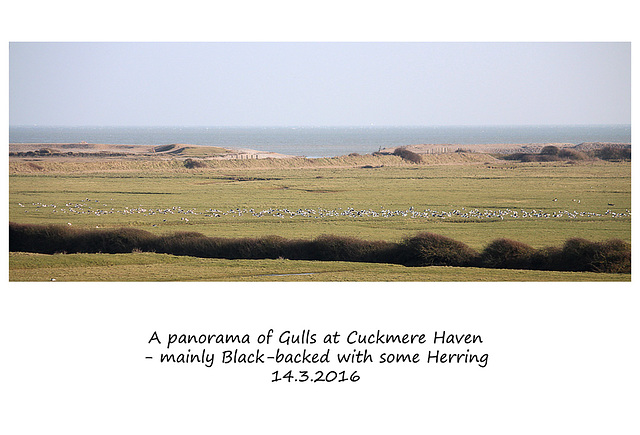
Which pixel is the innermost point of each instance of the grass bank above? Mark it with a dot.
(164, 267)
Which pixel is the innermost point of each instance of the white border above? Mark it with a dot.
(562, 356)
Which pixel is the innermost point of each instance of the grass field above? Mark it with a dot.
(163, 267)
(473, 199)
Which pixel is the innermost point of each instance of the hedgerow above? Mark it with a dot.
(424, 249)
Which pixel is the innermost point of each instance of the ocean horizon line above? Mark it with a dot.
(326, 141)
(319, 126)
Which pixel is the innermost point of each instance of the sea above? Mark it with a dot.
(323, 141)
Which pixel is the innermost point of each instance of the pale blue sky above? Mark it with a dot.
(318, 84)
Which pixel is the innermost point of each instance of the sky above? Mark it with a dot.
(318, 84)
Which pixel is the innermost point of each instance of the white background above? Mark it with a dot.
(562, 357)
(561, 360)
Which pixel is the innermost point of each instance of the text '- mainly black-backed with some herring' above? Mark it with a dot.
(306, 356)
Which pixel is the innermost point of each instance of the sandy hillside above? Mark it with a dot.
(171, 150)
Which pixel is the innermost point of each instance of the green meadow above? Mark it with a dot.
(474, 201)
(146, 266)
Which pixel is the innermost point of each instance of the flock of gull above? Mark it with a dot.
(89, 207)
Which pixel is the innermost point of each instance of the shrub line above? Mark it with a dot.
(423, 249)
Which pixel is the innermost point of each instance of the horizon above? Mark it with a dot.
(322, 126)
(322, 141)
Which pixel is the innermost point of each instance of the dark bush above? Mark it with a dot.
(539, 158)
(299, 250)
(612, 256)
(44, 239)
(339, 248)
(270, 247)
(548, 258)
(330, 247)
(410, 156)
(570, 154)
(549, 153)
(577, 254)
(110, 241)
(550, 150)
(514, 156)
(507, 254)
(263, 247)
(187, 243)
(613, 154)
(191, 164)
(427, 249)
(49, 239)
